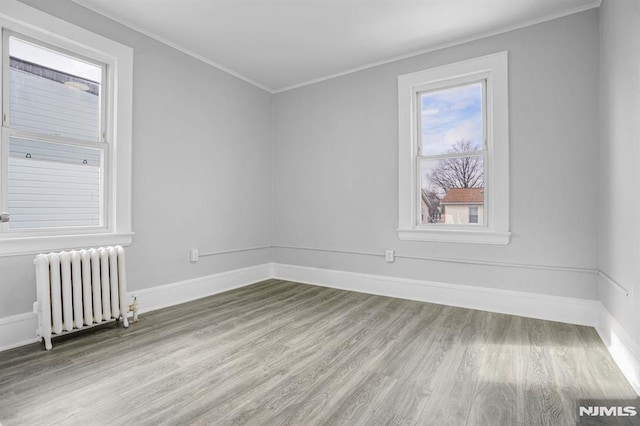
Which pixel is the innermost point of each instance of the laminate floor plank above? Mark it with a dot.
(283, 353)
(454, 383)
(225, 395)
(330, 360)
(495, 401)
(542, 395)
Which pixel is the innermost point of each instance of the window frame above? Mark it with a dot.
(45, 30)
(492, 69)
(9, 132)
(420, 156)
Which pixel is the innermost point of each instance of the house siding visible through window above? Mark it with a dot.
(52, 183)
(49, 101)
(65, 157)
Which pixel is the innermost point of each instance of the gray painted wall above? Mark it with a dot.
(336, 172)
(201, 167)
(620, 151)
(204, 168)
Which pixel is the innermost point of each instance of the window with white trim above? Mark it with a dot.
(454, 152)
(65, 158)
(54, 126)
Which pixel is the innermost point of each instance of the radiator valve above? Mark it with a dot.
(134, 308)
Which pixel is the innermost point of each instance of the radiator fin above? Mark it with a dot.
(77, 289)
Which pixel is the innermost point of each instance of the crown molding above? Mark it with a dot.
(171, 44)
(592, 5)
(588, 6)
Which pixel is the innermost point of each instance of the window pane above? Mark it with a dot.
(53, 93)
(450, 189)
(452, 120)
(53, 185)
(473, 214)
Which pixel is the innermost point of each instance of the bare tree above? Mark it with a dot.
(458, 172)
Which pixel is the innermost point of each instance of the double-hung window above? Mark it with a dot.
(65, 155)
(453, 153)
(57, 151)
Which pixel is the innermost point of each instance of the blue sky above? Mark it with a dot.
(451, 115)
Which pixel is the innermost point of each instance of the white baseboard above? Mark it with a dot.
(150, 299)
(18, 330)
(625, 352)
(623, 349)
(533, 305)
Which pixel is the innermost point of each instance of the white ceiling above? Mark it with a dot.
(280, 44)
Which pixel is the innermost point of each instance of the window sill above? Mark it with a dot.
(18, 246)
(455, 236)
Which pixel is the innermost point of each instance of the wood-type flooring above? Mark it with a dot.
(282, 353)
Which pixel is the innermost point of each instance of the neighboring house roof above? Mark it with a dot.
(464, 196)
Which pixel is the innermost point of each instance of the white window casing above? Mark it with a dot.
(116, 142)
(492, 70)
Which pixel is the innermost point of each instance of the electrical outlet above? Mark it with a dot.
(193, 255)
(389, 256)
